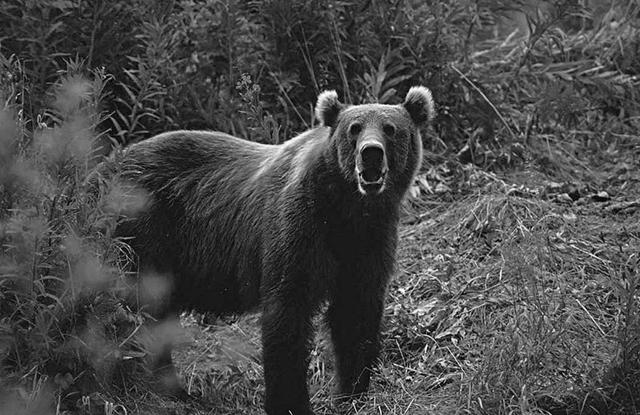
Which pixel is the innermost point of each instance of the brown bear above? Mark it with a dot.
(239, 226)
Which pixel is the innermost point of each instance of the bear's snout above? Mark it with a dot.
(371, 167)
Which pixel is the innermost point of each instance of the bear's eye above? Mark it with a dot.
(389, 130)
(355, 128)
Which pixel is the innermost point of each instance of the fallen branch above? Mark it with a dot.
(623, 206)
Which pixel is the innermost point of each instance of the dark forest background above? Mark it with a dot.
(517, 288)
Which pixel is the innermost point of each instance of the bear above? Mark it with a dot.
(285, 229)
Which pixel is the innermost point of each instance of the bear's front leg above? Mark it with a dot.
(354, 317)
(286, 335)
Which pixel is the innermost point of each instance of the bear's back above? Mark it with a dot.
(177, 153)
(221, 191)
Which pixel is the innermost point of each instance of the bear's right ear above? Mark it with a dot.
(328, 108)
(419, 105)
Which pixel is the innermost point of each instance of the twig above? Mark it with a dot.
(286, 96)
(617, 207)
(592, 319)
(479, 91)
(129, 337)
(335, 36)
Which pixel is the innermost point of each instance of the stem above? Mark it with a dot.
(493, 107)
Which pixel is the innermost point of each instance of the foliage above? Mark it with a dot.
(62, 318)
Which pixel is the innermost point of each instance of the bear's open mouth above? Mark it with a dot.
(371, 180)
(371, 167)
(372, 175)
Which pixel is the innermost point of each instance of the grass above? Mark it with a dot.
(508, 300)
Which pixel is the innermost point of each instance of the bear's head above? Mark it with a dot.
(378, 146)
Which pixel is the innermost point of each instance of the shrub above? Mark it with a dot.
(62, 318)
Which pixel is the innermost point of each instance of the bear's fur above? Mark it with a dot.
(237, 226)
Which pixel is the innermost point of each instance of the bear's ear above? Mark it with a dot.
(328, 108)
(419, 105)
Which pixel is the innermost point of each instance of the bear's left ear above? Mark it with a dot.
(328, 108)
(419, 105)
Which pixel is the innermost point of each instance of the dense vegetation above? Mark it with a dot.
(517, 288)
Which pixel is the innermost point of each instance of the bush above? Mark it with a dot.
(62, 318)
